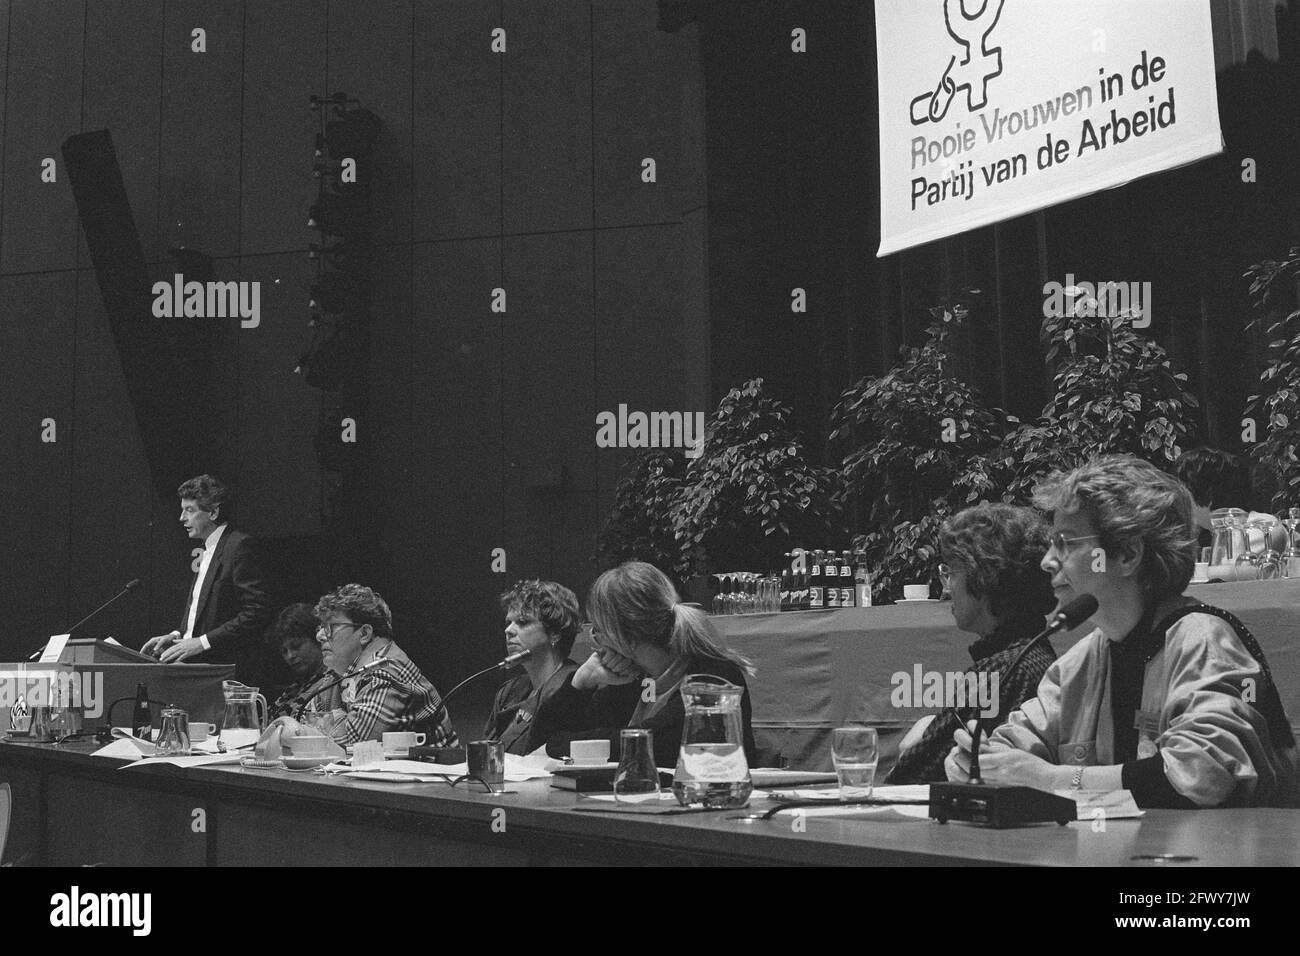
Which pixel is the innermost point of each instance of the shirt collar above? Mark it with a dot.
(213, 538)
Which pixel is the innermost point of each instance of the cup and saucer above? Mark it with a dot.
(307, 752)
(398, 744)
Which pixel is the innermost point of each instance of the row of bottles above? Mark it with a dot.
(823, 579)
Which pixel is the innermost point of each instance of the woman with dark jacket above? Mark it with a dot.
(541, 618)
(647, 643)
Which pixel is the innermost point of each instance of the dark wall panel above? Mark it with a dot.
(549, 421)
(199, 204)
(454, 512)
(284, 63)
(109, 539)
(640, 342)
(42, 108)
(36, 506)
(547, 116)
(279, 482)
(388, 427)
(370, 58)
(457, 134)
(636, 113)
(123, 93)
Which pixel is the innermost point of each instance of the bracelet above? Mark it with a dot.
(1076, 780)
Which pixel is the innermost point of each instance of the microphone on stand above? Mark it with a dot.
(998, 805)
(301, 707)
(129, 586)
(1066, 619)
(418, 753)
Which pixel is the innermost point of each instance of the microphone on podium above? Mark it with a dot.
(127, 588)
(997, 805)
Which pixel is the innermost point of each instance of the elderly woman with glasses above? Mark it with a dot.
(382, 690)
(1000, 594)
(1167, 698)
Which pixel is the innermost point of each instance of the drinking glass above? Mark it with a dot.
(855, 752)
(637, 778)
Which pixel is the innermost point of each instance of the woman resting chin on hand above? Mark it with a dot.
(605, 668)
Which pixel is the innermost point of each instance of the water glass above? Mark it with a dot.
(637, 778)
(855, 752)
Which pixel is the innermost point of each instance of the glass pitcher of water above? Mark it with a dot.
(711, 766)
(241, 724)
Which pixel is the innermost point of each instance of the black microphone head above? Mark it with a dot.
(1076, 612)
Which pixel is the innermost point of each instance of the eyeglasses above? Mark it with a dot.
(328, 629)
(1060, 544)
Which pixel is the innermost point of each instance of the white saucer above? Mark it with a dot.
(306, 763)
(400, 752)
(917, 601)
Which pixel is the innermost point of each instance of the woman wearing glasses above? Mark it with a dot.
(642, 631)
(1167, 698)
(999, 594)
(383, 690)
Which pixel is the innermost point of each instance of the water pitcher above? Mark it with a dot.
(711, 766)
(241, 723)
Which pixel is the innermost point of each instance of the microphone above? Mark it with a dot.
(417, 753)
(1066, 619)
(1001, 806)
(302, 702)
(517, 657)
(129, 586)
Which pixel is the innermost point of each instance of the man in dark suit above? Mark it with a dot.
(228, 606)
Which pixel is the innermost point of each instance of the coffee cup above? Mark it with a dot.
(403, 740)
(306, 745)
(1201, 572)
(200, 730)
(589, 751)
(916, 592)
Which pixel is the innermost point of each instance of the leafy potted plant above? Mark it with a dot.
(1115, 392)
(751, 495)
(639, 527)
(922, 441)
(1278, 400)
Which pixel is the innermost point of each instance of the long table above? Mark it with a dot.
(818, 670)
(72, 808)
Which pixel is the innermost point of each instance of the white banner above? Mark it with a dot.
(992, 109)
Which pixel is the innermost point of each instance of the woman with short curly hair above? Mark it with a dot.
(991, 556)
(1167, 698)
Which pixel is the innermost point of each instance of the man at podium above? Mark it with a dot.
(228, 607)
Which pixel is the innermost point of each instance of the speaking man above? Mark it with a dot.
(228, 607)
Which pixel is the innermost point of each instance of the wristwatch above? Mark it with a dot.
(1076, 779)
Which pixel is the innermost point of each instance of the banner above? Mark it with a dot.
(993, 109)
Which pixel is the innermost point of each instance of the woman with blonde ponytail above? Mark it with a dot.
(647, 642)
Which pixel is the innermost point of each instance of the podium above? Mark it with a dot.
(104, 673)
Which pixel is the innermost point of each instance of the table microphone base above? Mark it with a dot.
(1000, 807)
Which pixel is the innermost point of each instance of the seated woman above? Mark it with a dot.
(1000, 594)
(1167, 698)
(541, 617)
(641, 630)
(293, 635)
(356, 630)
